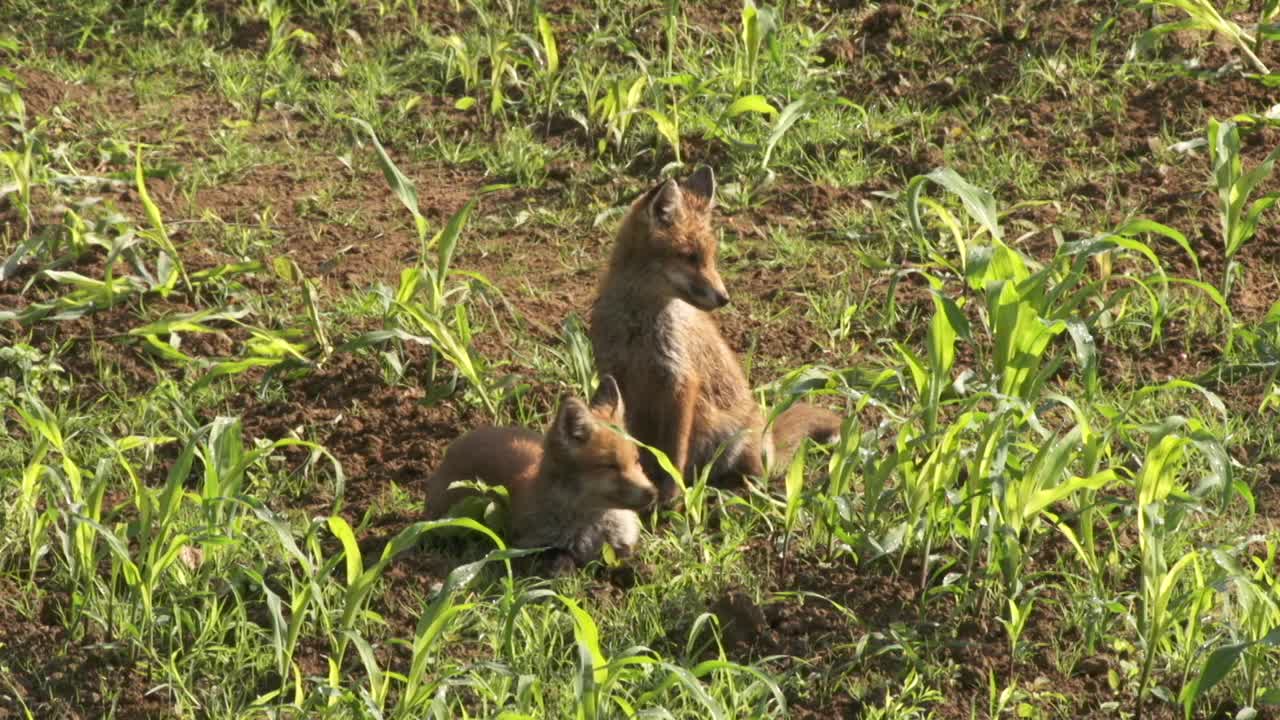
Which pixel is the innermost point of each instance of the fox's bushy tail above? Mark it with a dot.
(796, 423)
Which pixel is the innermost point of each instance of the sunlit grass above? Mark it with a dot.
(1060, 406)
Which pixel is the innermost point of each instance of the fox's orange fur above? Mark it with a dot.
(575, 488)
(652, 329)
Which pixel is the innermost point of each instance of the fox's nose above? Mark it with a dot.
(649, 493)
(719, 298)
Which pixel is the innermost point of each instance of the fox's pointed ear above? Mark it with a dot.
(573, 422)
(703, 184)
(664, 208)
(608, 398)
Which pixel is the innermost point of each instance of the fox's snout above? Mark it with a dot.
(704, 291)
(642, 496)
(710, 298)
(636, 493)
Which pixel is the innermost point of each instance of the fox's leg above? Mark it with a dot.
(678, 434)
(558, 562)
(744, 462)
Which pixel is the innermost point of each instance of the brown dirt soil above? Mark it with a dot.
(380, 433)
(385, 433)
(66, 678)
(811, 631)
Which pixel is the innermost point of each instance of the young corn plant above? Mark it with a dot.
(73, 502)
(21, 167)
(169, 267)
(546, 72)
(1202, 15)
(758, 27)
(1238, 216)
(419, 692)
(361, 581)
(1162, 505)
(611, 103)
(639, 679)
(275, 59)
(462, 63)
(425, 306)
(1252, 616)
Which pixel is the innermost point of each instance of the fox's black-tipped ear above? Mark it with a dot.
(703, 184)
(664, 208)
(608, 398)
(573, 422)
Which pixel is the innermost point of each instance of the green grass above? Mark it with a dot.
(260, 262)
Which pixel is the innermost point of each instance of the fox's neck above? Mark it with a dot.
(548, 508)
(552, 488)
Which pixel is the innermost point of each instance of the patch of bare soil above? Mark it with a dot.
(184, 120)
(60, 677)
(42, 92)
(381, 433)
(875, 606)
(1267, 497)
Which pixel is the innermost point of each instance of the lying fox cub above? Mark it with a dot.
(573, 489)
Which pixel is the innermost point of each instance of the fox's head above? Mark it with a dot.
(668, 234)
(601, 466)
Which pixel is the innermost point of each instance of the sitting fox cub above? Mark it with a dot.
(652, 329)
(574, 489)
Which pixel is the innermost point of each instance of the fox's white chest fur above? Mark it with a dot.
(674, 330)
(582, 533)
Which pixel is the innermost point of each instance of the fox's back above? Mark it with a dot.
(499, 456)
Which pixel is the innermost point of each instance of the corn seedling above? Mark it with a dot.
(1160, 507)
(275, 54)
(1203, 16)
(1239, 218)
(1044, 427)
(20, 166)
(447, 325)
(758, 27)
(610, 104)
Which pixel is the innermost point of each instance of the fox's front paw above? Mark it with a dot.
(668, 490)
(558, 563)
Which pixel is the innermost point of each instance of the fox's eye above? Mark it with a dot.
(694, 257)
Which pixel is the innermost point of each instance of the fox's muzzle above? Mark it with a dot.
(640, 496)
(709, 298)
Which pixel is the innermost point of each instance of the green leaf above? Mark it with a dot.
(795, 485)
(188, 322)
(119, 549)
(788, 117)
(667, 129)
(235, 367)
(157, 223)
(1216, 667)
(1044, 498)
(350, 548)
(751, 103)
(446, 241)
(401, 185)
(549, 44)
(1086, 354)
(1209, 290)
(1142, 225)
(594, 665)
(283, 533)
(980, 203)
